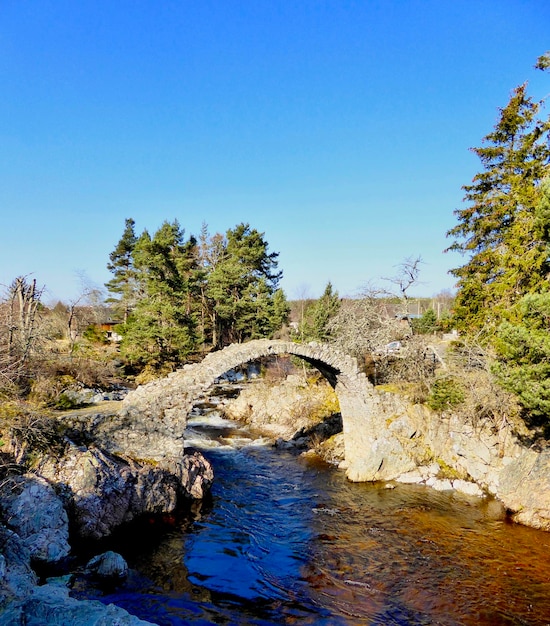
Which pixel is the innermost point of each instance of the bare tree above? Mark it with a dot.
(366, 324)
(85, 309)
(407, 275)
(18, 327)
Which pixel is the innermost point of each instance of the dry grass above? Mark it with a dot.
(26, 433)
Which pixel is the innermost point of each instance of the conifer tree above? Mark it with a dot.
(523, 349)
(315, 325)
(241, 287)
(121, 264)
(195, 294)
(500, 229)
(161, 330)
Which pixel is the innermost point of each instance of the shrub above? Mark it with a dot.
(445, 393)
(427, 324)
(94, 334)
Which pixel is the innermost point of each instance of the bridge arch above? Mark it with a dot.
(165, 403)
(336, 367)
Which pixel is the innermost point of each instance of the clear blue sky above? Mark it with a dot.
(339, 128)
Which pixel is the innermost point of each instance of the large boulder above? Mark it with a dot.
(107, 567)
(52, 605)
(17, 577)
(135, 435)
(524, 488)
(33, 510)
(102, 491)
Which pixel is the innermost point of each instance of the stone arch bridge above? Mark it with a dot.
(386, 437)
(158, 410)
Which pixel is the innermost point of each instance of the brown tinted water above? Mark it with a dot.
(415, 555)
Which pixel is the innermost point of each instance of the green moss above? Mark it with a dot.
(391, 419)
(446, 471)
(388, 388)
(65, 403)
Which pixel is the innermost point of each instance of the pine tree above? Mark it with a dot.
(194, 294)
(240, 287)
(315, 325)
(499, 229)
(121, 265)
(523, 348)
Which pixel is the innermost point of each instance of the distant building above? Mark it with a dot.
(108, 327)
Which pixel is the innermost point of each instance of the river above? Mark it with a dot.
(286, 539)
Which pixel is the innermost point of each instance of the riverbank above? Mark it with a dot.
(98, 489)
(58, 487)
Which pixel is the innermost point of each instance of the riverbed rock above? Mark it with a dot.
(33, 510)
(107, 567)
(51, 605)
(524, 488)
(18, 578)
(193, 472)
(25, 603)
(286, 410)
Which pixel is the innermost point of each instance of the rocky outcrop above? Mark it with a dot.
(102, 491)
(193, 472)
(52, 605)
(133, 435)
(17, 578)
(409, 443)
(285, 409)
(524, 488)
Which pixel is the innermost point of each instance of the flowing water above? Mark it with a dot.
(288, 540)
